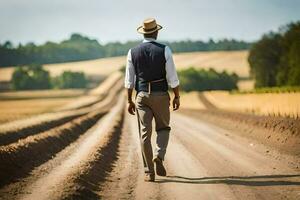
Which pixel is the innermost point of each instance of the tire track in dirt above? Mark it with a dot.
(95, 95)
(17, 134)
(15, 158)
(80, 174)
(124, 177)
(30, 150)
(205, 102)
(114, 86)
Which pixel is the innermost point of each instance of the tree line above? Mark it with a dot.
(275, 58)
(192, 79)
(79, 47)
(35, 77)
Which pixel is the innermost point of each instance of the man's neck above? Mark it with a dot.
(149, 39)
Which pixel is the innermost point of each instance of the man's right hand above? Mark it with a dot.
(131, 108)
(176, 100)
(176, 103)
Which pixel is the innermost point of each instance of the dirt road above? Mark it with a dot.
(203, 162)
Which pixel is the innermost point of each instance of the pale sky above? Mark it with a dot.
(116, 20)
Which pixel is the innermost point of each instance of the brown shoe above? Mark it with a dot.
(149, 177)
(160, 169)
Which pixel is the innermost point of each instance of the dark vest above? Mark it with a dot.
(149, 61)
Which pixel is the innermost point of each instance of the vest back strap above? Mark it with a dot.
(154, 81)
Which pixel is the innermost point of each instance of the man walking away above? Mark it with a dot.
(150, 69)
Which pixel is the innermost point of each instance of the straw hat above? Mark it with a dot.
(149, 26)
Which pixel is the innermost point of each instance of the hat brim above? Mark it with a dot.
(142, 30)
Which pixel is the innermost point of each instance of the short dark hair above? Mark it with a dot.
(151, 35)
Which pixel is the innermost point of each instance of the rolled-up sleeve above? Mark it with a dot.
(129, 72)
(171, 73)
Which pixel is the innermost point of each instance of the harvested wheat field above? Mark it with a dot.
(22, 104)
(18, 109)
(98, 68)
(231, 61)
(278, 104)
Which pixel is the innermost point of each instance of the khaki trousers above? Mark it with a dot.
(149, 106)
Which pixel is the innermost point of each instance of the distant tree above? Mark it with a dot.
(264, 59)
(275, 58)
(70, 79)
(289, 58)
(8, 45)
(294, 63)
(21, 79)
(30, 78)
(40, 77)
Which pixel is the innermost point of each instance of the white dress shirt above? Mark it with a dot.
(171, 74)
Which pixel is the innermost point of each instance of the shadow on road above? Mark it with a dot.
(263, 180)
